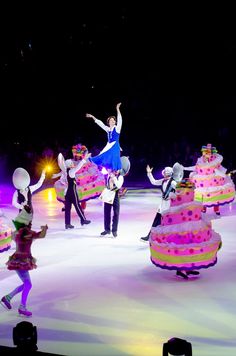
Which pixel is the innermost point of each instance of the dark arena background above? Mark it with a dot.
(173, 70)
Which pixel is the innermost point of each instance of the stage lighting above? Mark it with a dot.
(176, 346)
(25, 336)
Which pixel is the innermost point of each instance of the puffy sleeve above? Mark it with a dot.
(101, 124)
(153, 180)
(119, 122)
(38, 184)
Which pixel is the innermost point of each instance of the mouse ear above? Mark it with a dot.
(61, 162)
(125, 165)
(178, 172)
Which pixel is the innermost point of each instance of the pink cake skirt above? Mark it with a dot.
(187, 256)
(216, 196)
(5, 238)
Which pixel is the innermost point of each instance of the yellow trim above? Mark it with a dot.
(3, 242)
(203, 198)
(183, 258)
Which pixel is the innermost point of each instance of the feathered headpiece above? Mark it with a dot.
(79, 151)
(208, 149)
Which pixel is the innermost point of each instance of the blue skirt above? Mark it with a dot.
(109, 159)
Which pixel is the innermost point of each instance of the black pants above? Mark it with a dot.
(116, 213)
(72, 198)
(157, 220)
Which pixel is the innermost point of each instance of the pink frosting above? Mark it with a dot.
(186, 251)
(172, 256)
(189, 213)
(5, 233)
(212, 181)
(183, 237)
(220, 194)
(205, 170)
(184, 195)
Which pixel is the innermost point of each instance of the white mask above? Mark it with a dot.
(21, 178)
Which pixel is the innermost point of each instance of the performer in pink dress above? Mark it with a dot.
(22, 261)
(184, 241)
(90, 181)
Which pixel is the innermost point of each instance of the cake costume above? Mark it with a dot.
(5, 233)
(213, 186)
(69, 169)
(184, 241)
(89, 179)
(109, 157)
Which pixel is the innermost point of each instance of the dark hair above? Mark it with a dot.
(109, 118)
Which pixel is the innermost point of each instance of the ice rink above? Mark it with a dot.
(102, 296)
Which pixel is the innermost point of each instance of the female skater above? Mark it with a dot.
(22, 262)
(109, 157)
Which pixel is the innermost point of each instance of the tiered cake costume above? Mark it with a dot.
(184, 241)
(90, 181)
(5, 234)
(213, 186)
